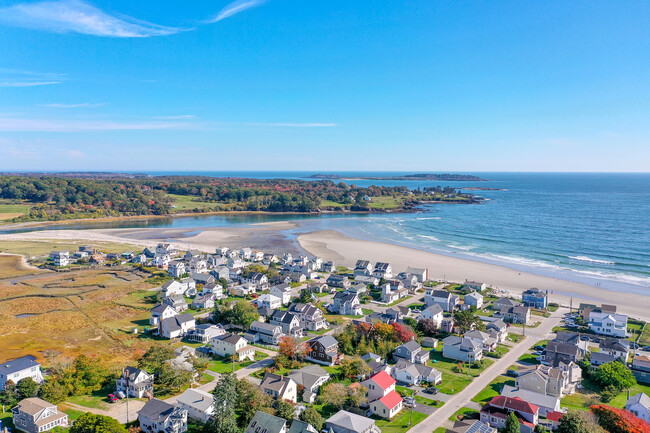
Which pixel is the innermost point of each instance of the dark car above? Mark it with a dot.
(539, 347)
(512, 373)
(584, 338)
(645, 348)
(431, 390)
(634, 346)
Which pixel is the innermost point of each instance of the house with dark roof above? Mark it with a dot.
(412, 352)
(311, 377)
(205, 332)
(446, 300)
(470, 426)
(338, 281)
(264, 332)
(323, 350)
(517, 314)
(498, 330)
(20, 368)
(229, 344)
(311, 318)
(362, 268)
(33, 415)
(135, 382)
(382, 270)
(280, 387)
(462, 349)
(558, 351)
(158, 416)
(473, 285)
(289, 322)
(263, 422)
(346, 303)
(504, 302)
(496, 411)
(176, 326)
(298, 426)
(535, 298)
(641, 368)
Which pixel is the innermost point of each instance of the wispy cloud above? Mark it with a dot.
(235, 8)
(76, 16)
(19, 78)
(82, 105)
(55, 125)
(297, 125)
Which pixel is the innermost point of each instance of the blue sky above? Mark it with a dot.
(325, 85)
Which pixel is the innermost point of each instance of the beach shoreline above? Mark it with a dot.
(345, 250)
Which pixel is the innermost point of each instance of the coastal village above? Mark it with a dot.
(239, 340)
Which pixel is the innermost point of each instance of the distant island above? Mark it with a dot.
(66, 196)
(445, 177)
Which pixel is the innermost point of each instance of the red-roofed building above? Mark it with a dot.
(554, 419)
(496, 412)
(384, 401)
(379, 385)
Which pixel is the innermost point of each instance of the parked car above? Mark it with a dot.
(584, 338)
(512, 373)
(112, 398)
(634, 346)
(538, 347)
(431, 390)
(409, 401)
(645, 348)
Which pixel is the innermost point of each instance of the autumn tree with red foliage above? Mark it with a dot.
(619, 420)
(403, 332)
(292, 348)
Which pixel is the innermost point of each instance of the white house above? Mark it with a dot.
(280, 387)
(382, 270)
(161, 312)
(197, 403)
(229, 344)
(611, 324)
(177, 326)
(20, 368)
(434, 313)
(159, 416)
(639, 405)
(173, 287)
(474, 285)
(60, 258)
(414, 374)
(384, 401)
(474, 299)
(282, 291)
(135, 382)
(176, 269)
(268, 300)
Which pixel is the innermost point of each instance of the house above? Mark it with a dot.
(462, 349)
(445, 299)
(487, 342)
(265, 332)
(135, 382)
(471, 426)
(323, 350)
(60, 258)
(359, 289)
(299, 276)
(367, 279)
(33, 415)
(20, 368)
(213, 290)
(597, 358)
(473, 285)
(263, 422)
(556, 381)
(496, 411)
(221, 272)
(311, 378)
(392, 291)
(176, 269)
(615, 347)
(414, 374)
(173, 287)
(158, 416)
(160, 312)
(328, 267)
(611, 324)
(235, 263)
(362, 268)
(203, 302)
(176, 326)
(282, 291)
(545, 403)
(298, 426)
(585, 310)
(177, 302)
(497, 330)
(474, 299)
(515, 314)
(242, 291)
(447, 325)
(197, 403)
(205, 332)
(535, 298)
(260, 280)
(347, 422)
(640, 369)
(639, 405)
(429, 342)
(257, 256)
(412, 352)
(565, 348)
(434, 313)
(384, 401)
(268, 300)
(229, 344)
(311, 318)
(201, 278)
(289, 322)
(504, 302)
(164, 249)
(159, 260)
(382, 270)
(410, 281)
(279, 387)
(346, 303)
(421, 274)
(339, 281)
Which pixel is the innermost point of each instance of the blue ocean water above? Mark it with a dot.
(587, 227)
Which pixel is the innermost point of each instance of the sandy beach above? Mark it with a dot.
(345, 250)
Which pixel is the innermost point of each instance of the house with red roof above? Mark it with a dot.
(496, 411)
(384, 401)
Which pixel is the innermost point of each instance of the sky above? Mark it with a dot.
(317, 85)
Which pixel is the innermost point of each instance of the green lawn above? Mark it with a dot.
(186, 202)
(644, 339)
(493, 389)
(9, 211)
(385, 202)
(427, 401)
(223, 365)
(463, 412)
(90, 401)
(529, 358)
(399, 301)
(453, 383)
(399, 424)
(515, 338)
(73, 414)
(6, 419)
(440, 430)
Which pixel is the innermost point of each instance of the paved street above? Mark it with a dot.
(463, 398)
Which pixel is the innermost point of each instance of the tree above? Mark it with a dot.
(9, 395)
(225, 401)
(618, 420)
(614, 374)
(333, 394)
(27, 388)
(292, 348)
(311, 416)
(250, 399)
(241, 314)
(170, 380)
(512, 424)
(155, 357)
(285, 409)
(306, 296)
(53, 392)
(427, 327)
(93, 423)
(577, 421)
(402, 332)
(540, 429)
(466, 321)
(357, 396)
(354, 367)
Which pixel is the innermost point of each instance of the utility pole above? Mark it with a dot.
(413, 405)
(127, 397)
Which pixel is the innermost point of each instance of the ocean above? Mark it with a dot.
(592, 228)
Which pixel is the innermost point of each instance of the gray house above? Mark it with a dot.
(263, 422)
(33, 415)
(411, 351)
(462, 349)
(347, 422)
(158, 416)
